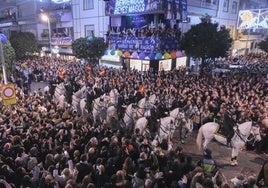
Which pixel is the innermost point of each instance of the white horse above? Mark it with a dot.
(114, 94)
(144, 106)
(142, 125)
(208, 131)
(190, 114)
(130, 117)
(77, 97)
(111, 113)
(167, 128)
(100, 106)
(59, 91)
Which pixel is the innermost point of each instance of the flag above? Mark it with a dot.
(88, 68)
(142, 89)
(90, 77)
(102, 73)
(62, 74)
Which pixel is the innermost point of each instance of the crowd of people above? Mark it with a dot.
(45, 145)
(161, 32)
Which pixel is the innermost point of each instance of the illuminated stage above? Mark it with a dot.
(144, 33)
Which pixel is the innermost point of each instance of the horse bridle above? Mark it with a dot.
(165, 130)
(238, 133)
(97, 106)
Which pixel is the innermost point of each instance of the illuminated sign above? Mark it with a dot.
(144, 44)
(122, 7)
(253, 19)
(134, 43)
(60, 1)
(130, 6)
(61, 41)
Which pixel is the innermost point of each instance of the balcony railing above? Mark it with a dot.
(8, 19)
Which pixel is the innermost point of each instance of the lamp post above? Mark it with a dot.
(46, 18)
(3, 39)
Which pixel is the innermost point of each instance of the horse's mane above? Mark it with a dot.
(141, 103)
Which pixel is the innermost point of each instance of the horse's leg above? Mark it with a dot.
(180, 134)
(186, 130)
(191, 127)
(207, 141)
(235, 152)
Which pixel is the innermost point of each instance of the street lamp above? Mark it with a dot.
(46, 18)
(3, 39)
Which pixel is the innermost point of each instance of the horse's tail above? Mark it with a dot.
(199, 138)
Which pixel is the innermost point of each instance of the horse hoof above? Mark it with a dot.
(234, 163)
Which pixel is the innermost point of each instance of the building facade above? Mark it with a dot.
(72, 19)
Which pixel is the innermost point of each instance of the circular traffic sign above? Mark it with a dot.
(8, 92)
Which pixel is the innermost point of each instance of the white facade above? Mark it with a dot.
(223, 12)
(83, 18)
(89, 21)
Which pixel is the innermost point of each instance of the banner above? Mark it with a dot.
(61, 41)
(9, 94)
(134, 43)
(123, 7)
(147, 44)
(183, 10)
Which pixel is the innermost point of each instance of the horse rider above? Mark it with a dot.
(228, 124)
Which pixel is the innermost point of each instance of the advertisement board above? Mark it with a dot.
(135, 64)
(165, 65)
(140, 65)
(181, 62)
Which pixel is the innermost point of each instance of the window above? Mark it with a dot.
(210, 4)
(225, 5)
(88, 4)
(234, 7)
(89, 31)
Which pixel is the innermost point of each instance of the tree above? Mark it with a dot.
(23, 42)
(263, 45)
(9, 56)
(89, 48)
(205, 40)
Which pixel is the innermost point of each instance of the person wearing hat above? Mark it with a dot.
(208, 165)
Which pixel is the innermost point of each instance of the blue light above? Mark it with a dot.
(3, 38)
(60, 1)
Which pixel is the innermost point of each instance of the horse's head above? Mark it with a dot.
(153, 99)
(255, 132)
(172, 124)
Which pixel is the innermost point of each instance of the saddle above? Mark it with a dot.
(220, 131)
